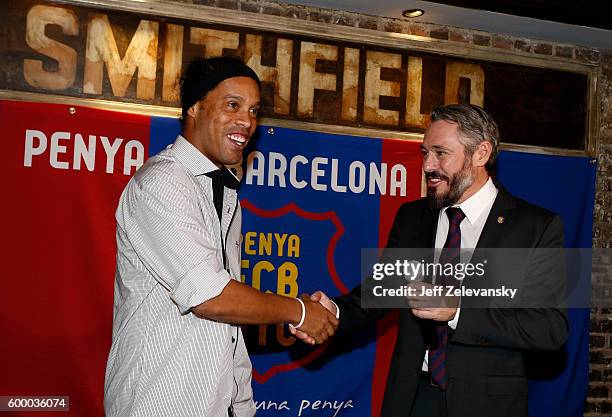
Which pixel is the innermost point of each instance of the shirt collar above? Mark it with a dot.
(474, 206)
(196, 162)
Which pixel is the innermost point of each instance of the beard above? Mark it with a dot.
(457, 184)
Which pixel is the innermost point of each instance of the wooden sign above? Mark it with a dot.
(134, 57)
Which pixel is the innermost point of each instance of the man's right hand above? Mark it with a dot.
(319, 323)
(322, 300)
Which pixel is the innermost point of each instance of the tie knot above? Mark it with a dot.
(455, 215)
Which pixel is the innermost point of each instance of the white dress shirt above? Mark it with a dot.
(165, 361)
(476, 210)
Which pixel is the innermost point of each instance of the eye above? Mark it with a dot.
(232, 104)
(254, 111)
(441, 153)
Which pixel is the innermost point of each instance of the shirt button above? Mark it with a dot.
(233, 339)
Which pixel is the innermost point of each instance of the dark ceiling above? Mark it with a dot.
(592, 13)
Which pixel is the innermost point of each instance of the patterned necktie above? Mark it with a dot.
(450, 255)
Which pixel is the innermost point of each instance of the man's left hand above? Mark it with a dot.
(433, 306)
(435, 313)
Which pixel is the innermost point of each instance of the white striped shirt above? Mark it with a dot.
(165, 361)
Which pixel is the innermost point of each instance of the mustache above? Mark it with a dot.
(435, 175)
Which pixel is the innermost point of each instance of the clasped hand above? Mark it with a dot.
(320, 322)
(430, 302)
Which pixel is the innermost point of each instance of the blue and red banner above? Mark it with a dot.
(310, 202)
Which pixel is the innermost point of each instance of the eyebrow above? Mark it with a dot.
(234, 96)
(435, 148)
(237, 97)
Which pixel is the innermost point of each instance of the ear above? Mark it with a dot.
(193, 110)
(482, 153)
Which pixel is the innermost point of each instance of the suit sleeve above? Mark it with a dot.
(352, 315)
(543, 328)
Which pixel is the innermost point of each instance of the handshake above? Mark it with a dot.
(319, 318)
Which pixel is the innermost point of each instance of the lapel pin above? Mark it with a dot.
(500, 219)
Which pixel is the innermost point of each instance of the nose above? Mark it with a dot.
(244, 119)
(430, 162)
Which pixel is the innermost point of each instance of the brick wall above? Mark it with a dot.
(600, 388)
(599, 402)
(385, 24)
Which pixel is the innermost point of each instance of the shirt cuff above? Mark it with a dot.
(337, 308)
(199, 284)
(453, 323)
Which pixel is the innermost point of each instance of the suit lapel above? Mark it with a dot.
(428, 227)
(492, 236)
(427, 233)
(427, 239)
(499, 218)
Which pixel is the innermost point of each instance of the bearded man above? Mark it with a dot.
(458, 361)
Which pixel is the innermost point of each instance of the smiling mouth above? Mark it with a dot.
(238, 138)
(435, 180)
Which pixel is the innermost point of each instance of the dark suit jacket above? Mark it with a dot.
(486, 368)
